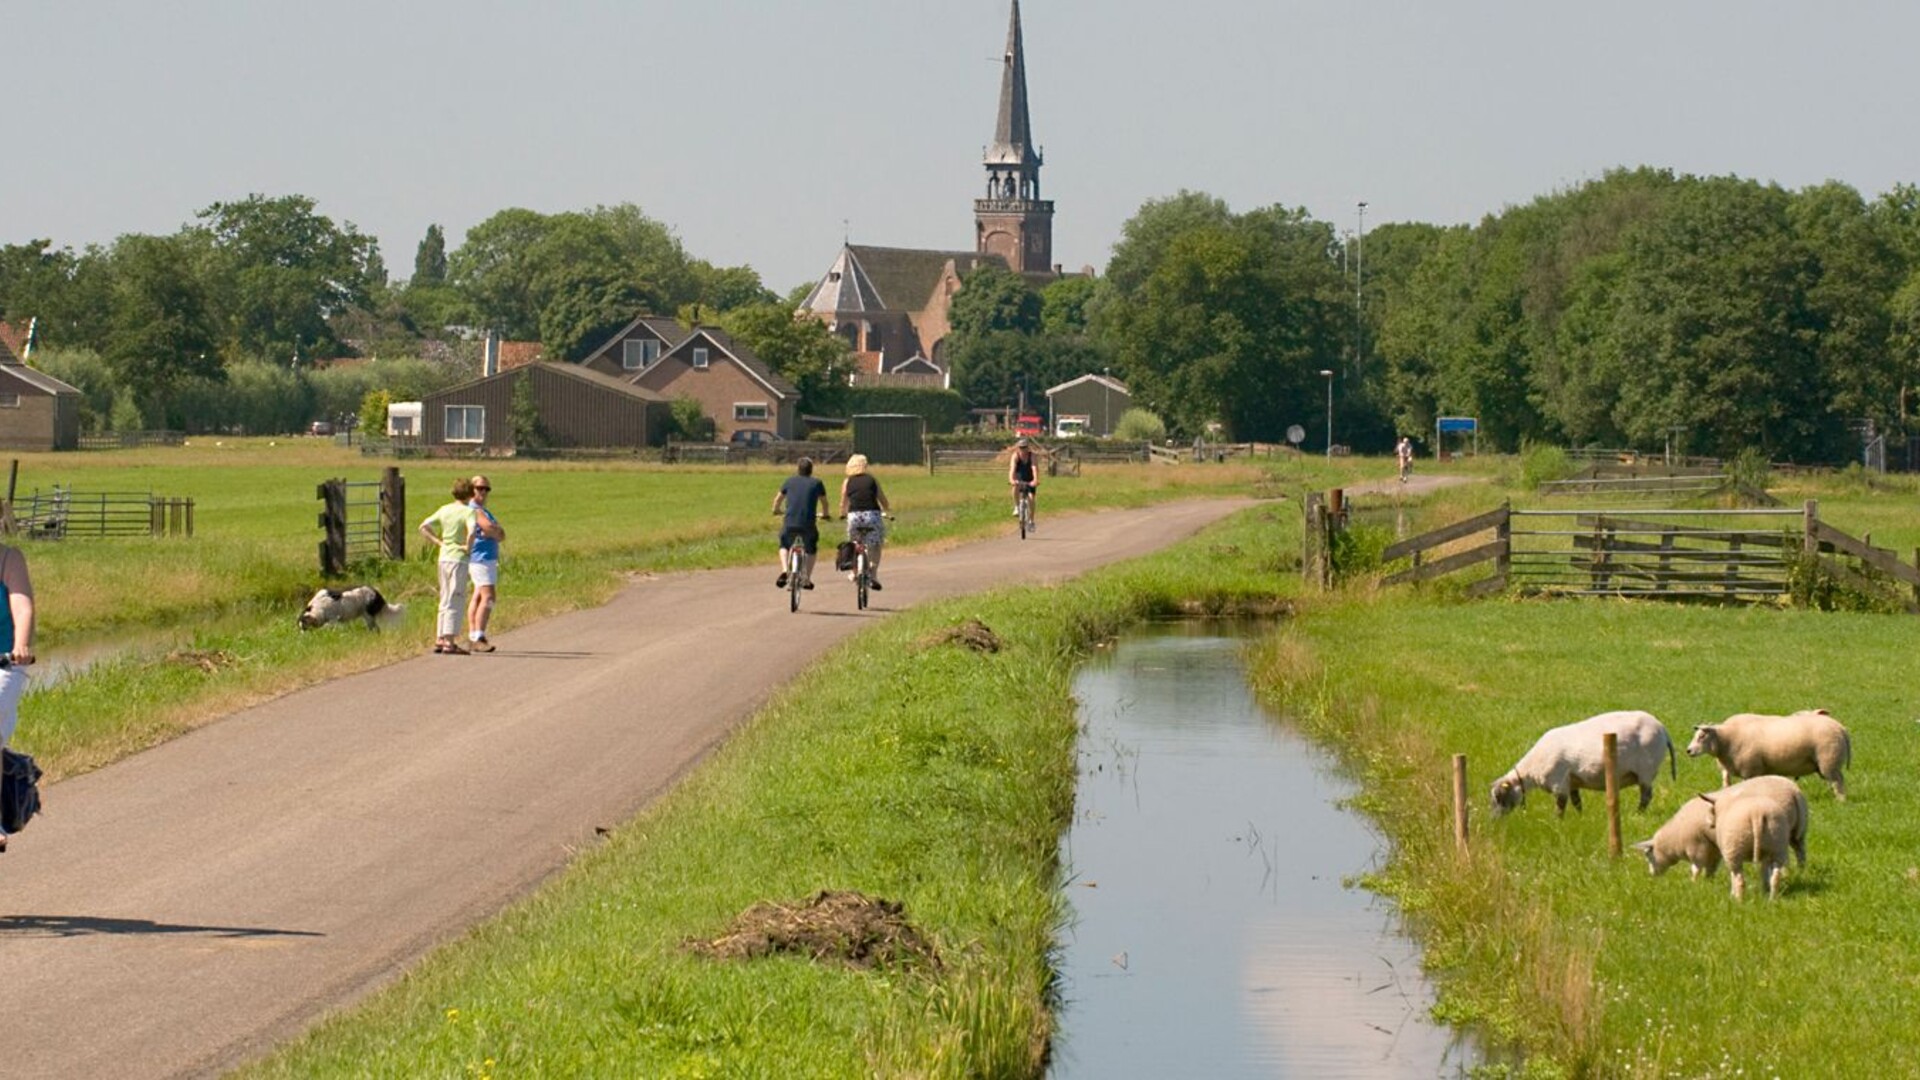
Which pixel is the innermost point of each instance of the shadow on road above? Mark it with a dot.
(86, 925)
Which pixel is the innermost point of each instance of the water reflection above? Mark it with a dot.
(1213, 935)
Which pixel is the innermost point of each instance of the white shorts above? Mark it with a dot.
(484, 573)
(13, 683)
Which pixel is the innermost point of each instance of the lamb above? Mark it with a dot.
(1759, 826)
(1569, 758)
(339, 605)
(1689, 834)
(1750, 744)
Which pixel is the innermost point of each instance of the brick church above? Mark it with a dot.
(891, 304)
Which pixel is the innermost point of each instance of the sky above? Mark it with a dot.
(767, 132)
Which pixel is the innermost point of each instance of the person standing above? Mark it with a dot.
(805, 501)
(16, 636)
(862, 504)
(483, 565)
(451, 527)
(1403, 453)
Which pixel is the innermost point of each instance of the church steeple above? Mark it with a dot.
(1013, 221)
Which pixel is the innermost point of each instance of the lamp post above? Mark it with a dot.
(1327, 374)
(1359, 286)
(1106, 401)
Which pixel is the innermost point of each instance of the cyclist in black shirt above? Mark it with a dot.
(1023, 470)
(863, 504)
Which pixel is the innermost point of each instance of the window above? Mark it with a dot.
(637, 355)
(750, 410)
(9, 401)
(466, 423)
(700, 358)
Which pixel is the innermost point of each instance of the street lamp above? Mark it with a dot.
(1328, 375)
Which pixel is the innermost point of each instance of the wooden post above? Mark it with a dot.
(1460, 802)
(1610, 761)
(1666, 558)
(333, 524)
(189, 519)
(1503, 533)
(1810, 528)
(393, 514)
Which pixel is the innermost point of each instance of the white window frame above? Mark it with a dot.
(480, 413)
(648, 352)
(700, 359)
(752, 410)
(9, 401)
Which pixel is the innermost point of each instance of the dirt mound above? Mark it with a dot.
(207, 660)
(972, 633)
(847, 927)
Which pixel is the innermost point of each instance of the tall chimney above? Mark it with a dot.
(490, 354)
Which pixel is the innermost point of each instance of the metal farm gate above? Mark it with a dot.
(362, 520)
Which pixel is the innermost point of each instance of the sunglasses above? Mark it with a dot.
(482, 487)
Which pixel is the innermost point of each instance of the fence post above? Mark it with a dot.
(333, 522)
(1460, 802)
(1810, 528)
(1610, 762)
(1503, 535)
(393, 514)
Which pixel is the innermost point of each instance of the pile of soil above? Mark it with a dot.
(207, 660)
(971, 633)
(845, 927)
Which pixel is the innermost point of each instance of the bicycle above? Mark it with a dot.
(862, 574)
(1023, 507)
(793, 561)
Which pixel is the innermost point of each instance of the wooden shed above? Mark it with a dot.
(576, 409)
(1096, 401)
(37, 411)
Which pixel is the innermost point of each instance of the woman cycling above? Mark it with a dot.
(862, 503)
(1023, 472)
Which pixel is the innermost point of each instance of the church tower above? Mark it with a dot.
(1013, 221)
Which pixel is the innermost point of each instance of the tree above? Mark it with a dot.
(160, 332)
(800, 349)
(430, 259)
(991, 300)
(277, 272)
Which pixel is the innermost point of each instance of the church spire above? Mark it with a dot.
(1013, 221)
(1013, 132)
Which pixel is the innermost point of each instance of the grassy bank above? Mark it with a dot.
(946, 792)
(215, 612)
(1591, 964)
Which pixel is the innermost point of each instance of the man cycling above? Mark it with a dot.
(1023, 473)
(806, 502)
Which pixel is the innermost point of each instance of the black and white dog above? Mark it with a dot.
(339, 605)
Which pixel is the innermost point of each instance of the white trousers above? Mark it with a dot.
(13, 683)
(453, 597)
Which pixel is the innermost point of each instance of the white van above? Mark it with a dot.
(1065, 427)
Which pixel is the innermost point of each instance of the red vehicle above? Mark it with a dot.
(1029, 426)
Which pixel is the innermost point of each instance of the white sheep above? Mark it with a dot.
(1759, 825)
(1569, 758)
(1751, 744)
(1689, 833)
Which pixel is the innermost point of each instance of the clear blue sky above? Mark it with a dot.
(755, 129)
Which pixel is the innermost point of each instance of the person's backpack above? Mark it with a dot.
(19, 790)
(844, 556)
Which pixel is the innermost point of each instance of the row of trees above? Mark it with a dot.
(1637, 308)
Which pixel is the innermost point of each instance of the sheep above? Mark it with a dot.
(339, 605)
(1750, 744)
(1569, 758)
(1759, 825)
(1689, 834)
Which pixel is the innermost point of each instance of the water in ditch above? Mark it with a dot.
(1213, 933)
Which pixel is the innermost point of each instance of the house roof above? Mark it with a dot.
(775, 383)
(903, 279)
(13, 340)
(846, 288)
(568, 371)
(1110, 383)
(664, 327)
(515, 354)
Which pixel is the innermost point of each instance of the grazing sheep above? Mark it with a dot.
(1689, 834)
(339, 605)
(1569, 758)
(1759, 825)
(1750, 744)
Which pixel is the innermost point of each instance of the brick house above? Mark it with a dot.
(37, 411)
(733, 386)
(578, 408)
(637, 347)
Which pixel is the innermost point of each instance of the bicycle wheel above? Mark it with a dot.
(793, 586)
(1026, 512)
(860, 582)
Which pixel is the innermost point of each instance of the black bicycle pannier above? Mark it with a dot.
(19, 790)
(843, 557)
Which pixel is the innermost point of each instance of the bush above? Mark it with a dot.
(1541, 463)
(690, 420)
(943, 410)
(1140, 425)
(1750, 469)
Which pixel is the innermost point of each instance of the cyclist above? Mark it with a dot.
(862, 503)
(1403, 451)
(1023, 472)
(805, 499)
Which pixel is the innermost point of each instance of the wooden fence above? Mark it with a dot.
(127, 440)
(1729, 555)
(63, 513)
(362, 520)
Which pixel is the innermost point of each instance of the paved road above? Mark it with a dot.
(193, 906)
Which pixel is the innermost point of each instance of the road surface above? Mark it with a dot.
(194, 906)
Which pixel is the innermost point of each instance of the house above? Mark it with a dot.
(1099, 399)
(637, 347)
(37, 411)
(577, 408)
(733, 386)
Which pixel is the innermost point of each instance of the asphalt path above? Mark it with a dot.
(193, 906)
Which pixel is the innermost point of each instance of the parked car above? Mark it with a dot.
(320, 427)
(752, 438)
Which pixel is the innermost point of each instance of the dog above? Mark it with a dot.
(340, 605)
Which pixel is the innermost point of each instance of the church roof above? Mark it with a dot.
(1013, 131)
(845, 288)
(904, 278)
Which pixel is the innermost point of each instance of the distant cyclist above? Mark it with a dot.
(805, 499)
(862, 503)
(1022, 472)
(1403, 451)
